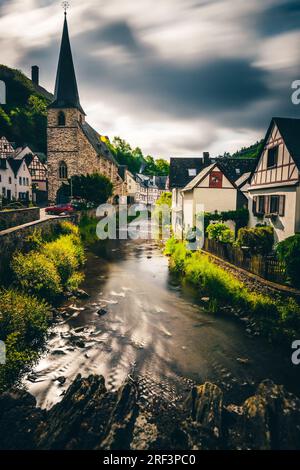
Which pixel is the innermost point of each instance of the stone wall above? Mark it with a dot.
(14, 239)
(17, 217)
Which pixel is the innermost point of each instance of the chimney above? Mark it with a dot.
(206, 158)
(35, 71)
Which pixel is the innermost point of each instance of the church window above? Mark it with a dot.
(61, 118)
(63, 171)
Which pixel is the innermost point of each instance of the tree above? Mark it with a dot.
(165, 199)
(95, 188)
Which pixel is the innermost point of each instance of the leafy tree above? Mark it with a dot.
(95, 188)
(289, 253)
(165, 199)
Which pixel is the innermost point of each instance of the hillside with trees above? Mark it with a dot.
(247, 152)
(23, 120)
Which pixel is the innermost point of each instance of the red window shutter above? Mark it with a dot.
(216, 179)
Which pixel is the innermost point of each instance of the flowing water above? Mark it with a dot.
(154, 330)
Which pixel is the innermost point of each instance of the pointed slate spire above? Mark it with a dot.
(66, 92)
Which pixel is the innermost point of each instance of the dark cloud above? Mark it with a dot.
(118, 33)
(117, 66)
(279, 18)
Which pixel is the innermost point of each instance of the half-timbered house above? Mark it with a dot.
(274, 193)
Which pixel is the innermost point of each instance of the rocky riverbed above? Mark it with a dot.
(91, 417)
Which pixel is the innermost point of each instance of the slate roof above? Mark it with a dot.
(289, 129)
(15, 165)
(179, 170)
(95, 140)
(66, 91)
(234, 168)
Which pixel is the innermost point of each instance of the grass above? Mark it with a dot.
(41, 274)
(277, 320)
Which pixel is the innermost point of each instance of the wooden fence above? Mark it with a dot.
(268, 267)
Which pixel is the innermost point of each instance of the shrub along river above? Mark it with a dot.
(139, 320)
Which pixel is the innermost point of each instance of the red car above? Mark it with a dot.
(60, 209)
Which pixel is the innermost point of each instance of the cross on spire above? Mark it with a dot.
(65, 6)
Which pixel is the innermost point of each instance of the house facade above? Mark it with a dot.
(212, 190)
(38, 172)
(15, 180)
(6, 148)
(149, 188)
(274, 193)
(74, 147)
(182, 171)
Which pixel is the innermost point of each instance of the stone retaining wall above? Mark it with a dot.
(13, 218)
(15, 238)
(256, 283)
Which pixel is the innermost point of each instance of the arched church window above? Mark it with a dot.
(61, 118)
(63, 171)
(2, 92)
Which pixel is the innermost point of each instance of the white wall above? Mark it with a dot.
(216, 199)
(285, 226)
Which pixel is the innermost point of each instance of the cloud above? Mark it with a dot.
(172, 77)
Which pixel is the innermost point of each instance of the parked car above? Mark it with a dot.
(60, 209)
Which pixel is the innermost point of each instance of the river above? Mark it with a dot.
(155, 330)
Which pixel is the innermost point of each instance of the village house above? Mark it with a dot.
(149, 188)
(6, 148)
(215, 185)
(182, 172)
(38, 172)
(15, 180)
(74, 147)
(274, 193)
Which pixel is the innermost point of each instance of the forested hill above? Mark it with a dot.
(24, 118)
(247, 152)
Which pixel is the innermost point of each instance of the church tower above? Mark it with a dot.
(65, 118)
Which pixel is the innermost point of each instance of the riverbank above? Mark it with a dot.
(41, 276)
(277, 319)
(91, 417)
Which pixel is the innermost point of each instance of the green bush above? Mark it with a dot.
(220, 232)
(289, 253)
(260, 240)
(67, 228)
(67, 255)
(37, 275)
(23, 326)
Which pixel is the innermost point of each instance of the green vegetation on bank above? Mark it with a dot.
(41, 274)
(278, 321)
(288, 252)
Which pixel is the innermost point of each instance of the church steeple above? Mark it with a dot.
(66, 91)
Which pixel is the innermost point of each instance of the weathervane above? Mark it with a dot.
(65, 6)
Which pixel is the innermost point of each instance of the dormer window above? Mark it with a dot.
(192, 172)
(272, 157)
(238, 171)
(61, 118)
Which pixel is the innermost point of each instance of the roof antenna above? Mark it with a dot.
(65, 6)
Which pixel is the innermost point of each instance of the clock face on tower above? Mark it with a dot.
(215, 179)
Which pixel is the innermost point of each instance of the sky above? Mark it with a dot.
(174, 77)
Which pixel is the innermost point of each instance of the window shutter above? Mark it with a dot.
(254, 205)
(267, 204)
(281, 205)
